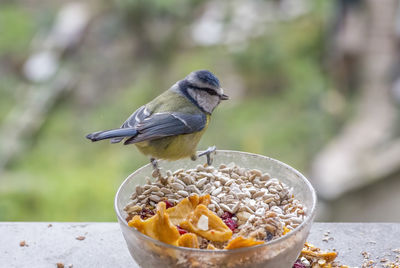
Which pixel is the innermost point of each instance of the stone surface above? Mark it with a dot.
(102, 245)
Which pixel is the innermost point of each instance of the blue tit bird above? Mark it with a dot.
(171, 125)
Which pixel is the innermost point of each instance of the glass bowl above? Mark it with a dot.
(281, 252)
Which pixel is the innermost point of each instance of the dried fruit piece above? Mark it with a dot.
(188, 240)
(299, 264)
(204, 199)
(181, 211)
(181, 230)
(217, 229)
(327, 256)
(168, 204)
(231, 224)
(285, 230)
(241, 242)
(158, 227)
(310, 251)
(269, 236)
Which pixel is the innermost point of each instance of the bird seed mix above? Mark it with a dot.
(215, 208)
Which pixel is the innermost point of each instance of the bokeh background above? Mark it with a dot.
(312, 83)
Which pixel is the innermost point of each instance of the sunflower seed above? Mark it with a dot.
(155, 198)
(235, 208)
(131, 209)
(216, 191)
(256, 172)
(178, 171)
(193, 189)
(258, 194)
(180, 182)
(139, 190)
(160, 194)
(265, 177)
(177, 186)
(183, 193)
(166, 190)
(225, 207)
(201, 182)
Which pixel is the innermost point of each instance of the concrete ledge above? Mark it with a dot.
(102, 244)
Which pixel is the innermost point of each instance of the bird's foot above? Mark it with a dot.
(208, 153)
(156, 170)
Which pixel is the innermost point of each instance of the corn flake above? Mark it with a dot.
(217, 231)
(241, 242)
(188, 240)
(191, 214)
(158, 227)
(310, 251)
(182, 210)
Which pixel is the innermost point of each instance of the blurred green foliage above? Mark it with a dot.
(63, 177)
(16, 28)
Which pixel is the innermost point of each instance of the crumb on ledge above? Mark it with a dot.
(80, 238)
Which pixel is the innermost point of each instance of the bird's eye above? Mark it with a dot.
(210, 91)
(206, 89)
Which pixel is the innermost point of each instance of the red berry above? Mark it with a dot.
(226, 215)
(168, 204)
(298, 264)
(146, 213)
(231, 224)
(181, 230)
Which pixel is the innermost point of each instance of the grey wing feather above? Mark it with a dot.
(168, 124)
(139, 115)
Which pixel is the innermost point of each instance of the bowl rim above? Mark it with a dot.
(307, 220)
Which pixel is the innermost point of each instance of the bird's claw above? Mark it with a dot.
(207, 153)
(156, 170)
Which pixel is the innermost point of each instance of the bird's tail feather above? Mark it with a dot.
(118, 134)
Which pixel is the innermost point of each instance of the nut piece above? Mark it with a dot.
(202, 224)
(243, 216)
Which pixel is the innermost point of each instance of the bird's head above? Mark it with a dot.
(203, 88)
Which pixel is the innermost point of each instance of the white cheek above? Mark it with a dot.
(205, 101)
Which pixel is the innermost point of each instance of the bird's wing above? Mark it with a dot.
(161, 125)
(138, 116)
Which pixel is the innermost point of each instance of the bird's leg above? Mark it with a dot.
(156, 173)
(207, 153)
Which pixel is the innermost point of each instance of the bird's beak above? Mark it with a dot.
(224, 97)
